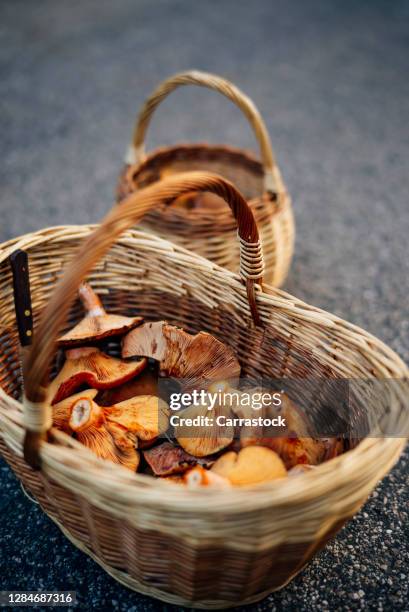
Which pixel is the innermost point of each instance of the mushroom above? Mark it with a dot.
(225, 463)
(199, 357)
(109, 441)
(298, 445)
(89, 365)
(168, 460)
(199, 477)
(200, 438)
(146, 415)
(97, 324)
(62, 410)
(252, 465)
(146, 383)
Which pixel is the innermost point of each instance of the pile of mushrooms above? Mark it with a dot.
(112, 405)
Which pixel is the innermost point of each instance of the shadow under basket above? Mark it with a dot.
(201, 222)
(199, 548)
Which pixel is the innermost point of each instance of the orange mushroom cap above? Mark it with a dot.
(146, 383)
(203, 439)
(91, 366)
(146, 415)
(252, 465)
(97, 324)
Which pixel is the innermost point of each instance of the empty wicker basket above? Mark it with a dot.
(189, 547)
(190, 221)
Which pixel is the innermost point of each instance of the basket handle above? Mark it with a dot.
(136, 152)
(37, 412)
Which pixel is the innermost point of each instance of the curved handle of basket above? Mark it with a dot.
(37, 412)
(136, 151)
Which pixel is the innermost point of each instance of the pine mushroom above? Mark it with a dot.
(252, 465)
(169, 460)
(296, 444)
(195, 358)
(91, 366)
(204, 438)
(145, 415)
(225, 463)
(146, 383)
(107, 440)
(97, 323)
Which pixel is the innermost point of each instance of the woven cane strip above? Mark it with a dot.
(37, 416)
(251, 258)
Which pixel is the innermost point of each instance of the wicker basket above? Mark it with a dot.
(197, 548)
(191, 224)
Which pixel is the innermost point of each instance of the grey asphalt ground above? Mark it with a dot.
(331, 79)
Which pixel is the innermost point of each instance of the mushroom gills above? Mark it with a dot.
(89, 365)
(198, 359)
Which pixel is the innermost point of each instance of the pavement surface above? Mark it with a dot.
(331, 79)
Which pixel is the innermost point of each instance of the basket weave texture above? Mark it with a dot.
(188, 547)
(193, 226)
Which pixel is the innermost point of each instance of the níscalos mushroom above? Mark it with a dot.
(89, 365)
(107, 440)
(295, 444)
(145, 416)
(167, 459)
(197, 359)
(122, 425)
(62, 410)
(252, 465)
(97, 323)
(145, 383)
(207, 437)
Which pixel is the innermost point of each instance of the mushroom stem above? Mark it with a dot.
(91, 301)
(97, 324)
(85, 414)
(62, 410)
(199, 477)
(251, 465)
(107, 440)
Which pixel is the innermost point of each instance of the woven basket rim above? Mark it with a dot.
(240, 154)
(80, 463)
(77, 465)
(236, 155)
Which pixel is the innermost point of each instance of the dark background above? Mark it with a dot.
(331, 80)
